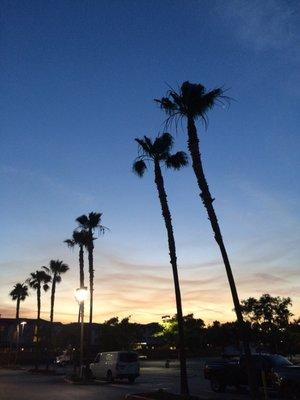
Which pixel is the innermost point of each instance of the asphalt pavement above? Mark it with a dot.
(22, 385)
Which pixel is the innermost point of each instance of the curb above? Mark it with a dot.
(86, 383)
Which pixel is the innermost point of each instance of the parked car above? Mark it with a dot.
(64, 358)
(275, 370)
(116, 364)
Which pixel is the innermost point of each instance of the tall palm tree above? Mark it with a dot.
(55, 270)
(80, 239)
(192, 102)
(19, 293)
(159, 152)
(91, 223)
(39, 280)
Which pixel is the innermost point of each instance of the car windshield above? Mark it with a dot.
(279, 361)
(128, 357)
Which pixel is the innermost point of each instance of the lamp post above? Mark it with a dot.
(19, 335)
(81, 295)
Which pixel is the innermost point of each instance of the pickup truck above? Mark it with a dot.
(272, 371)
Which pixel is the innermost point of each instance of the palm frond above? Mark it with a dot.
(83, 221)
(46, 287)
(81, 237)
(57, 267)
(191, 100)
(139, 167)
(177, 160)
(70, 242)
(94, 219)
(143, 146)
(163, 144)
(166, 104)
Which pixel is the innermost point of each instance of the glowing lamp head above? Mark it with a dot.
(81, 294)
(23, 323)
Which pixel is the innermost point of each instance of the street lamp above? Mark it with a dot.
(81, 295)
(23, 323)
(19, 335)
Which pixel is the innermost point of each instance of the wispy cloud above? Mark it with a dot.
(268, 24)
(46, 182)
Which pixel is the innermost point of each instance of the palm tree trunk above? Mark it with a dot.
(91, 273)
(38, 327)
(193, 146)
(18, 309)
(17, 328)
(52, 298)
(53, 287)
(81, 278)
(81, 267)
(173, 260)
(38, 303)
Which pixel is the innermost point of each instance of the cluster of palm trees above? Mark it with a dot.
(40, 280)
(49, 277)
(83, 237)
(191, 102)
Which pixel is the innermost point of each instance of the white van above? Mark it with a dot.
(116, 364)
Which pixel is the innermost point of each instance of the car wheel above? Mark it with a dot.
(131, 379)
(109, 376)
(217, 386)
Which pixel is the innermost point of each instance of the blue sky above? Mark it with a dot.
(78, 80)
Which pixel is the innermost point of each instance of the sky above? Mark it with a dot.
(78, 79)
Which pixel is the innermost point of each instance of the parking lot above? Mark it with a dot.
(21, 385)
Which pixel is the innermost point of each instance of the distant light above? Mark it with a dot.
(81, 294)
(23, 323)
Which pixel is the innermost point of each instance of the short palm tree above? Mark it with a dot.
(159, 153)
(56, 269)
(39, 281)
(192, 102)
(91, 223)
(19, 293)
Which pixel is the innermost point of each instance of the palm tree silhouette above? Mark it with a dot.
(55, 270)
(80, 239)
(192, 102)
(159, 152)
(19, 293)
(39, 280)
(90, 223)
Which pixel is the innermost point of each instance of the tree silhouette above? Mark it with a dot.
(192, 102)
(80, 239)
(91, 223)
(159, 152)
(19, 293)
(55, 270)
(39, 280)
